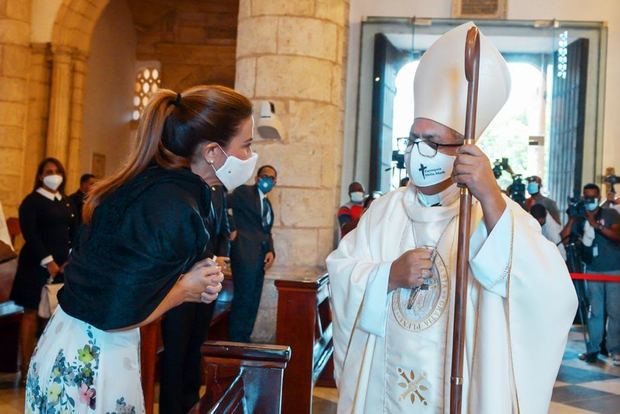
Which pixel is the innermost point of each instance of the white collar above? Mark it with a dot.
(261, 194)
(418, 212)
(49, 195)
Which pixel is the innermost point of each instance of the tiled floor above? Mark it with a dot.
(580, 389)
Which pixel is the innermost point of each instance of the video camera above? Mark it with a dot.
(499, 166)
(516, 190)
(576, 207)
(612, 180)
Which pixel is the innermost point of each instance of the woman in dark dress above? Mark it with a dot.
(143, 250)
(48, 223)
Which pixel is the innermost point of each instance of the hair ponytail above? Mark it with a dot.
(171, 128)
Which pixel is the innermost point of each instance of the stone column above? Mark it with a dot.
(76, 121)
(60, 104)
(38, 109)
(292, 53)
(14, 63)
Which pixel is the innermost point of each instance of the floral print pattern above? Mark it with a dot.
(71, 385)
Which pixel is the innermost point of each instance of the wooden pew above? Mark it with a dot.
(304, 323)
(151, 344)
(242, 378)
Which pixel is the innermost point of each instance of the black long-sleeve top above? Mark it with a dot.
(140, 240)
(49, 228)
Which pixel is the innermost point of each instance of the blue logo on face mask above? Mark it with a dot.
(422, 169)
(266, 184)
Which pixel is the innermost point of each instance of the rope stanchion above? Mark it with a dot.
(595, 277)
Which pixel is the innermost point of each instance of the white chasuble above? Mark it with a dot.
(392, 350)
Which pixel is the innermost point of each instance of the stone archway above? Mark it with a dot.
(70, 46)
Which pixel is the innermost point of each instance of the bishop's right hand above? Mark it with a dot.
(203, 282)
(410, 269)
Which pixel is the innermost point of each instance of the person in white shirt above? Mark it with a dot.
(550, 228)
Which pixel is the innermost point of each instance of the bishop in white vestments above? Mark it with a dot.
(392, 278)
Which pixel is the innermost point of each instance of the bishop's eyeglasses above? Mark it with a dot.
(429, 149)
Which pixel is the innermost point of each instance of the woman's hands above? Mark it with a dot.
(53, 269)
(202, 283)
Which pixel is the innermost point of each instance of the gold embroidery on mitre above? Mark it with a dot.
(414, 387)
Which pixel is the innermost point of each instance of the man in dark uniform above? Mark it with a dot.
(78, 198)
(185, 327)
(252, 252)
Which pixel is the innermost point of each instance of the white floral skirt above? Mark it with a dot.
(77, 368)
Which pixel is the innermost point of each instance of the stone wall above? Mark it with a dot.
(14, 64)
(193, 39)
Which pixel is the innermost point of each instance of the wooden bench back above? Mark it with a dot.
(304, 323)
(242, 378)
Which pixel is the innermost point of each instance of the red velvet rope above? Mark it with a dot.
(595, 277)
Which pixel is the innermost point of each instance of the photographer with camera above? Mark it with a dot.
(599, 230)
(534, 184)
(516, 190)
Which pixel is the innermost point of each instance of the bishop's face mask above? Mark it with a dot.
(425, 170)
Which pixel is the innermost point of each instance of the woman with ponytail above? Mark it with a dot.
(143, 250)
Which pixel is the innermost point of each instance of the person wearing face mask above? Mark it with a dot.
(534, 184)
(350, 213)
(145, 248)
(48, 222)
(252, 252)
(599, 231)
(391, 280)
(185, 327)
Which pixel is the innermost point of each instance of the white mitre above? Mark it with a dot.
(440, 87)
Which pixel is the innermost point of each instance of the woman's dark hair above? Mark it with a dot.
(171, 129)
(38, 182)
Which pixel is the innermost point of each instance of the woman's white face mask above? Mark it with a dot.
(235, 171)
(53, 181)
(427, 171)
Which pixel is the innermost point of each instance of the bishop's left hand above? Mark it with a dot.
(473, 169)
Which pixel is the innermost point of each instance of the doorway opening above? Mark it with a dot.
(551, 125)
